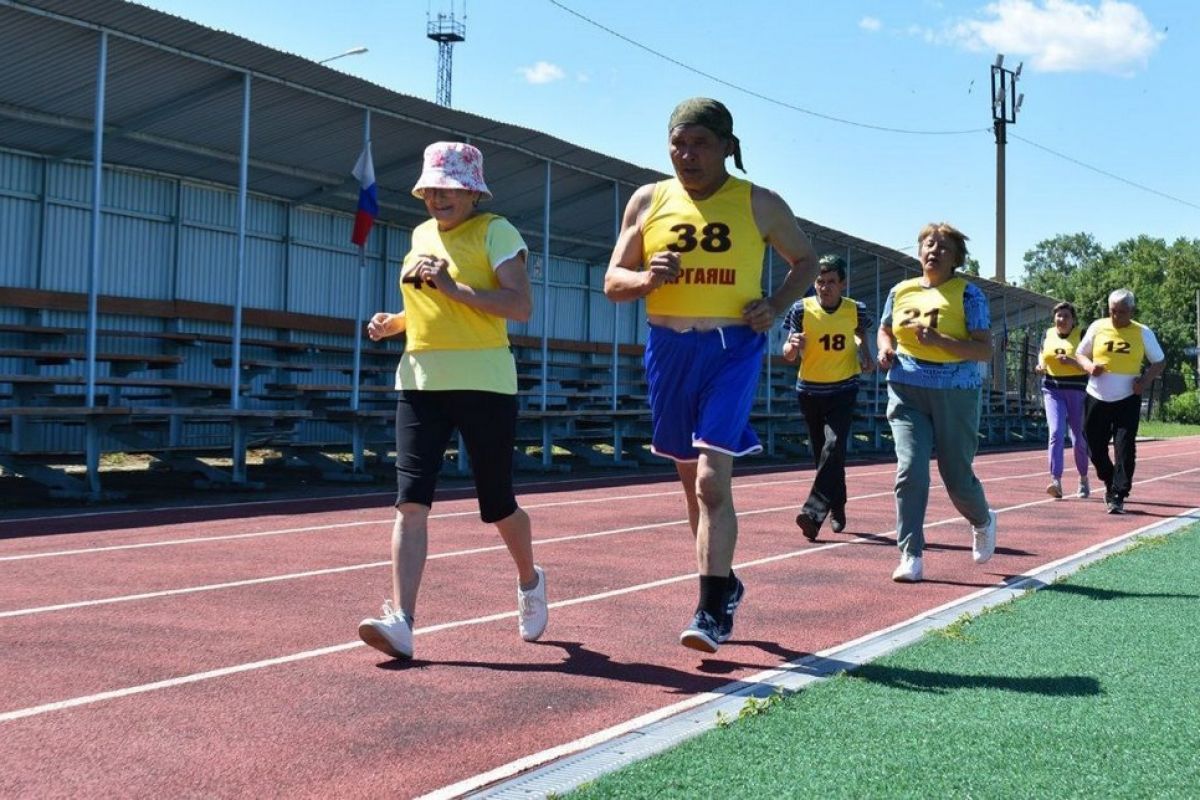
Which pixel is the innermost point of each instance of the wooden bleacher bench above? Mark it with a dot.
(128, 362)
(260, 364)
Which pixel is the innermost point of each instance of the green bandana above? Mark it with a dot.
(711, 114)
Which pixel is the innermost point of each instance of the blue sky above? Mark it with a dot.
(1106, 83)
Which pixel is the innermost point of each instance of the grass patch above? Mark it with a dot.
(1166, 430)
(1089, 687)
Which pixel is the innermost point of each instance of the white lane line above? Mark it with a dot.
(530, 487)
(472, 512)
(46, 708)
(22, 612)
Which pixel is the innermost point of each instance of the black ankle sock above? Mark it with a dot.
(712, 595)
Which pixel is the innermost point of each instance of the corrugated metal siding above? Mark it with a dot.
(18, 240)
(207, 262)
(20, 173)
(68, 231)
(137, 257)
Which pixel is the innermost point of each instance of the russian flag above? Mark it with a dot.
(368, 197)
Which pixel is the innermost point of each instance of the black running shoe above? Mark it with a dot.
(808, 526)
(837, 519)
(704, 634)
(732, 600)
(1116, 506)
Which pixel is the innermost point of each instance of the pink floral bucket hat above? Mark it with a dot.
(452, 165)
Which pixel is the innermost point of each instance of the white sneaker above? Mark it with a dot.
(390, 634)
(910, 570)
(532, 611)
(983, 542)
(1084, 488)
(1055, 488)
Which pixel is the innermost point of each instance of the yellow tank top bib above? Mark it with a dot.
(720, 247)
(939, 307)
(830, 352)
(1120, 350)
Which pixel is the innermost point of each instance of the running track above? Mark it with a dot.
(212, 651)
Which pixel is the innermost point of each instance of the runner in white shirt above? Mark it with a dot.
(1113, 352)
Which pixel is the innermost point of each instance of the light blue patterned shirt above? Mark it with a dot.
(937, 375)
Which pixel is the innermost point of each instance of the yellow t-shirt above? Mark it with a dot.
(830, 351)
(721, 250)
(938, 307)
(1120, 350)
(1054, 345)
(450, 345)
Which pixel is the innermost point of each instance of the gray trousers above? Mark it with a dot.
(922, 419)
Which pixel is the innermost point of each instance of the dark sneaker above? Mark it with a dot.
(732, 601)
(837, 519)
(704, 634)
(808, 526)
(1116, 506)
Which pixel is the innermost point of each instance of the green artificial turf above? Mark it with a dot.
(1166, 430)
(1087, 688)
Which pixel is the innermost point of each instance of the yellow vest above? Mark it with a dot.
(435, 323)
(1120, 350)
(830, 352)
(939, 307)
(720, 246)
(1054, 345)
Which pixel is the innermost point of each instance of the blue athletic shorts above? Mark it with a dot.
(702, 387)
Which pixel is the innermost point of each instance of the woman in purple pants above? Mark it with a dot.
(1063, 385)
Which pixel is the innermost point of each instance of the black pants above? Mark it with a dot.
(1115, 422)
(425, 421)
(828, 417)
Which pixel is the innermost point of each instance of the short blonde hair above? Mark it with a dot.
(950, 232)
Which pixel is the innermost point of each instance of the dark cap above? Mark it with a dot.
(711, 114)
(831, 262)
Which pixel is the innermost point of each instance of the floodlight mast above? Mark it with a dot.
(1005, 104)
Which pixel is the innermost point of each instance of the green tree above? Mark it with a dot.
(1055, 266)
(1163, 277)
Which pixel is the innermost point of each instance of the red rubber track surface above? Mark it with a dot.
(213, 652)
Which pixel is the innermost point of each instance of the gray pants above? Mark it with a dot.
(922, 419)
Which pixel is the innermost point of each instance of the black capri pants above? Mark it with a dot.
(425, 421)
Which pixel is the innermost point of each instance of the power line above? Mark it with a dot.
(1106, 173)
(854, 123)
(753, 93)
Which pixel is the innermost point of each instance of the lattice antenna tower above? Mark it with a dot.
(446, 29)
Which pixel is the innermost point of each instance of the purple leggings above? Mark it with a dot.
(1065, 407)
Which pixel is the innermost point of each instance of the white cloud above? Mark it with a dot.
(1061, 35)
(870, 24)
(542, 72)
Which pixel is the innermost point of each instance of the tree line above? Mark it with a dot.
(1163, 277)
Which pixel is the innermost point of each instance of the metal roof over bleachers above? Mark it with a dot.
(174, 104)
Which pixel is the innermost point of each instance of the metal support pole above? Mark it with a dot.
(875, 413)
(94, 255)
(767, 356)
(547, 445)
(239, 425)
(616, 306)
(239, 278)
(361, 303)
(1000, 200)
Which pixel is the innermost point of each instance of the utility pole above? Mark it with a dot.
(446, 30)
(1005, 105)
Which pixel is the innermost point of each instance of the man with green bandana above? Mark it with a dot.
(693, 247)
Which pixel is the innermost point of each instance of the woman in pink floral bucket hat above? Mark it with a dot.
(463, 279)
(452, 165)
